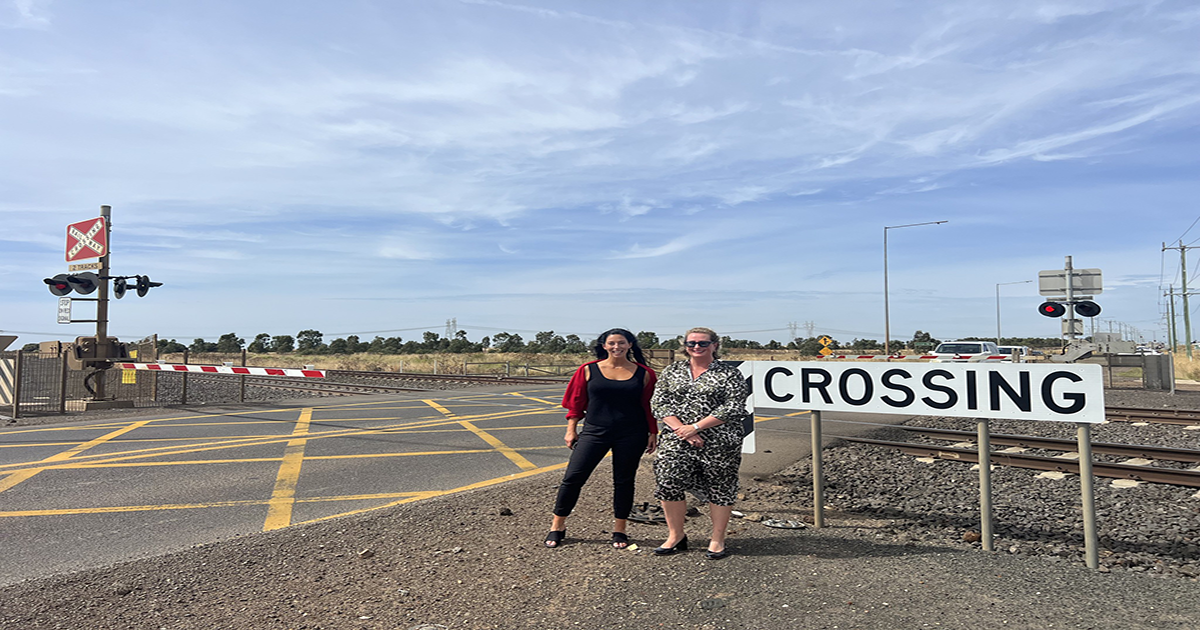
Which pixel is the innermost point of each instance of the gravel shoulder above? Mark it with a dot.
(475, 560)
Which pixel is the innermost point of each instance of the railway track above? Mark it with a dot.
(350, 382)
(498, 379)
(337, 389)
(1138, 471)
(1161, 416)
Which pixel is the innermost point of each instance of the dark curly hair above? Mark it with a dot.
(636, 350)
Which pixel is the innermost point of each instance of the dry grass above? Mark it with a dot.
(494, 362)
(1185, 368)
(512, 363)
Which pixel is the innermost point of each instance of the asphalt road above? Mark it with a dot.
(93, 493)
(88, 494)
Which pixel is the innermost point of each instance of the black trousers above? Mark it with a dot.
(627, 448)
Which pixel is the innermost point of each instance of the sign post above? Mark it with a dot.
(1069, 284)
(1019, 391)
(89, 239)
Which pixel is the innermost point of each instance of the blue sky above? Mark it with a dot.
(367, 166)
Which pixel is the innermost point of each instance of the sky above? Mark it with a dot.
(377, 167)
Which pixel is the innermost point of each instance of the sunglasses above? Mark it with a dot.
(697, 344)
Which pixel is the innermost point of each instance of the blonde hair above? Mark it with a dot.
(712, 336)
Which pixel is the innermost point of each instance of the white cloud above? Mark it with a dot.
(32, 14)
(475, 145)
(674, 246)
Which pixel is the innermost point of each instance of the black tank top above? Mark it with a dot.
(615, 405)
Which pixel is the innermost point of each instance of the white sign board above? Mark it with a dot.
(1054, 282)
(64, 310)
(1019, 391)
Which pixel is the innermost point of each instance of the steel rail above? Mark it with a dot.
(1189, 478)
(1164, 453)
(312, 385)
(1162, 416)
(499, 379)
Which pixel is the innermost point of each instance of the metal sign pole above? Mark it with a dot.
(985, 484)
(102, 299)
(1087, 495)
(1070, 302)
(818, 472)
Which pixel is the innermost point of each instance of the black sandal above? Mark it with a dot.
(620, 540)
(555, 538)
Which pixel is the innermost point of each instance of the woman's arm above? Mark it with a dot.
(663, 401)
(648, 386)
(575, 399)
(734, 406)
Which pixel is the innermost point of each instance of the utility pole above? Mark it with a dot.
(1172, 335)
(1187, 313)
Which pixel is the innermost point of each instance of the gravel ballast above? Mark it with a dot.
(892, 555)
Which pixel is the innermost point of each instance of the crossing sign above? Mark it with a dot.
(87, 239)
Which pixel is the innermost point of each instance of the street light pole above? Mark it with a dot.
(998, 285)
(887, 320)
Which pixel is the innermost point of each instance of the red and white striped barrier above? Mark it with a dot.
(923, 357)
(880, 356)
(221, 369)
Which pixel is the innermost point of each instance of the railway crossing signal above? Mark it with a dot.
(1083, 308)
(1052, 309)
(87, 282)
(63, 283)
(59, 285)
(144, 285)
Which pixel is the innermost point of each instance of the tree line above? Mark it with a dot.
(545, 342)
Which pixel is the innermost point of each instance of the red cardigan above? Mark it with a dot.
(575, 400)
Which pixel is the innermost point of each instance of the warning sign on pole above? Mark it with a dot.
(86, 239)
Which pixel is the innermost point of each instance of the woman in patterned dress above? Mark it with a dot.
(612, 397)
(701, 403)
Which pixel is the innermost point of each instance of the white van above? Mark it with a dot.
(1009, 351)
(966, 352)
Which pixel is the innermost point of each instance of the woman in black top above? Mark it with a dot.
(612, 397)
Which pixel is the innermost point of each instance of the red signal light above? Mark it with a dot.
(1052, 309)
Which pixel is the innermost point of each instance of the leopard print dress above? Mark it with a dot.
(710, 472)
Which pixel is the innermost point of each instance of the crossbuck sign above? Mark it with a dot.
(86, 239)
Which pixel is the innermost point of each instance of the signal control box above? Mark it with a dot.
(92, 352)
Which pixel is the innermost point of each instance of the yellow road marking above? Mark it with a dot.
(242, 442)
(117, 509)
(544, 402)
(501, 447)
(758, 418)
(283, 498)
(473, 486)
(309, 458)
(14, 479)
(279, 508)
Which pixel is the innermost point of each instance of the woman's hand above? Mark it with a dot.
(695, 441)
(687, 431)
(571, 438)
(652, 444)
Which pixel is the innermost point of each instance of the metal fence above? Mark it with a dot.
(1134, 371)
(35, 383)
